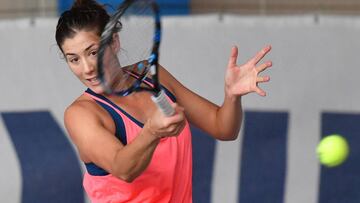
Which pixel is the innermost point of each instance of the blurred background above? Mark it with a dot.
(313, 93)
(51, 8)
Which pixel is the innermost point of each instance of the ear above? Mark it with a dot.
(115, 45)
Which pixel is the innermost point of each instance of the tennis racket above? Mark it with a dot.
(129, 52)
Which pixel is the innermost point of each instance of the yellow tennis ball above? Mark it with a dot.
(332, 150)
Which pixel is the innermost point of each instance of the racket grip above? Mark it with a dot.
(164, 105)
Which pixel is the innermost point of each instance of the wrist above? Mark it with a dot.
(232, 98)
(149, 132)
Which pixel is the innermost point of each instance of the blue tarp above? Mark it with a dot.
(167, 7)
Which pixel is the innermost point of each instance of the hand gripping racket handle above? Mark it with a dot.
(161, 101)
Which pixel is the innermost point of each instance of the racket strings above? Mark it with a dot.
(135, 30)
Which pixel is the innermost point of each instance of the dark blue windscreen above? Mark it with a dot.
(263, 160)
(49, 166)
(342, 183)
(167, 7)
(203, 165)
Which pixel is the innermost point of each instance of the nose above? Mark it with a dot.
(89, 66)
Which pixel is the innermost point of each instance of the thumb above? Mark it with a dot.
(178, 116)
(177, 108)
(233, 56)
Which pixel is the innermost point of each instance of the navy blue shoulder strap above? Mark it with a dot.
(120, 133)
(119, 123)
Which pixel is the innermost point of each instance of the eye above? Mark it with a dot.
(93, 53)
(74, 60)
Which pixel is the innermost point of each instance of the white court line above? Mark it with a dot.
(302, 174)
(226, 171)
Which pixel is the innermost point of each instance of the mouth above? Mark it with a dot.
(94, 80)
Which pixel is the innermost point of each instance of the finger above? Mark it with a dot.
(179, 128)
(182, 126)
(178, 116)
(174, 119)
(174, 129)
(263, 79)
(264, 66)
(260, 54)
(233, 56)
(178, 108)
(260, 92)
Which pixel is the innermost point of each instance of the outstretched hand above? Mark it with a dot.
(243, 79)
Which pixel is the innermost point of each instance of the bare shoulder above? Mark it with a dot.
(82, 113)
(87, 124)
(80, 107)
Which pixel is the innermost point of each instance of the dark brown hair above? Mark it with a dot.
(83, 15)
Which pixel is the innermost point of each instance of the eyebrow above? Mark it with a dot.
(86, 49)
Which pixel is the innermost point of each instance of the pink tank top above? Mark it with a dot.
(168, 178)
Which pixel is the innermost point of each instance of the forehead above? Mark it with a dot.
(80, 41)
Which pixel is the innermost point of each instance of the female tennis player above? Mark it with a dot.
(131, 150)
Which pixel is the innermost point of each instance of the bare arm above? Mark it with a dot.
(223, 122)
(97, 143)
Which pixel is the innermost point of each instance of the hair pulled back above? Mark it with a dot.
(83, 15)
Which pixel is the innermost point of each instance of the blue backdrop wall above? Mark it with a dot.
(167, 7)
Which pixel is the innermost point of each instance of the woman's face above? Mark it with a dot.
(81, 56)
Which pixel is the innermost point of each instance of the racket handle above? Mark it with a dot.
(161, 101)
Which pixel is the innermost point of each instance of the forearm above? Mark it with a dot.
(228, 118)
(131, 160)
(221, 122)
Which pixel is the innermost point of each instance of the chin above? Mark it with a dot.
(97, 89)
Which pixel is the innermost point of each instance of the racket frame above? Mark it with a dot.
(158, 97)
